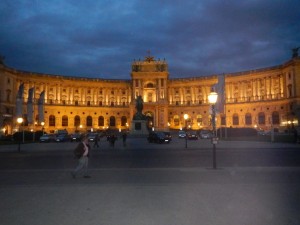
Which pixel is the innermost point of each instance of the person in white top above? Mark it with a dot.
(83, 158)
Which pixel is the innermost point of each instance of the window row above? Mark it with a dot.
(261, 119)
(248, 119)
(89, 121)
(90, 103)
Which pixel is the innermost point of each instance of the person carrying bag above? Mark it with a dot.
(81, 152)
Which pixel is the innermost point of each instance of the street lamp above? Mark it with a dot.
(43, 123)
(20, 121)
(212, 98)
(185, 116)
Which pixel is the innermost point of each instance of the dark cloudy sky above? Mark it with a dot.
(101, 38)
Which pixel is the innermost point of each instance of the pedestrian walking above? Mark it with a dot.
(124, 136)
(82, 154)
(97, 139)
(112, 140)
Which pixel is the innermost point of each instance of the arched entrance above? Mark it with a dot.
(150, 120)
(7, 126)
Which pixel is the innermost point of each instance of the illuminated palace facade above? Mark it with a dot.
(263, 99)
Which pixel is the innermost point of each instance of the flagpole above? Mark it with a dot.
(33, 101)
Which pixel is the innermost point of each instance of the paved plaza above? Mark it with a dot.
(43, 192)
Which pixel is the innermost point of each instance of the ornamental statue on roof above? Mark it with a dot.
(149, 64)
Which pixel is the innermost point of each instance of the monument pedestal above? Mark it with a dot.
(139, 128)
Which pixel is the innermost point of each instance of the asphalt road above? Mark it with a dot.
(145, 184)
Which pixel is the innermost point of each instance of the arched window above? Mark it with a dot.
(176, 120)
(199, 120)
(64, 121)
(89, 121)
(123, 101)
(112, 102)
(261, 118)
(112, 121)
(77, 121)
(52, 120)
(235, 119)
(101, 121)
(275, 118)
(248, 119)
(150, 85)
(123, 121)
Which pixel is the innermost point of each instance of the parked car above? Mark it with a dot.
(158, 137)
(76, 137)
(192, 135)
(92, 137)
(168, 135)
(62, 138)
(181, 134)
(47, 138)
(205, 134)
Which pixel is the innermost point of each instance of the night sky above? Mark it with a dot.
(101, 38)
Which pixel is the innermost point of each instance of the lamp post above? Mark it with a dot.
(212, 98)
(43, 124)
(20, 121)
(185, 116)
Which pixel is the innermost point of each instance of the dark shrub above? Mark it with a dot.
(28, 136)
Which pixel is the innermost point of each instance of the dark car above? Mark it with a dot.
(168, 135)
(47, 138)
(192, 135)
(76, 137)
(158, 137)
(92, 137)
(62, 138)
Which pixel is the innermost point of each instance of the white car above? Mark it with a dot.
(205, 134)
(181, 134)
